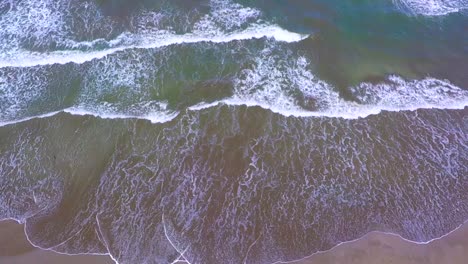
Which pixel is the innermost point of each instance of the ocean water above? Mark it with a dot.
(223, 131)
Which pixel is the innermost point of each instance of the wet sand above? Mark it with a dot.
(380, 248)
(374, 248)
(15, 249)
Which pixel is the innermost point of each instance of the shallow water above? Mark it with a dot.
(231, 131)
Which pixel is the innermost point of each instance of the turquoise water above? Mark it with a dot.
(231, 131)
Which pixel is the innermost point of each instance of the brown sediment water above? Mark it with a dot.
(133, 210)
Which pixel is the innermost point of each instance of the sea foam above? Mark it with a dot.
(226, 22)
(431, 7)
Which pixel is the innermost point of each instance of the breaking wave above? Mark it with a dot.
(432, 7)
(40, 33)
(262, 72)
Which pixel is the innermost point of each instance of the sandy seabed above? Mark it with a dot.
(374, 248)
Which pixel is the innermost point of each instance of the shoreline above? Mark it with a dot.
(374, 245)
(23, 251)
(311, 259)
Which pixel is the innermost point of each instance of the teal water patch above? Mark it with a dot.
(354, 41)
(158, 84)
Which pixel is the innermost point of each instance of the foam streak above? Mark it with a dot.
(161, 39)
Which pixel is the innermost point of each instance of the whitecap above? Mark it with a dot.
(280, 84)
(226, 22)
(431, 7)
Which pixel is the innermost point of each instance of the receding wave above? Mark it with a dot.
(222, 184)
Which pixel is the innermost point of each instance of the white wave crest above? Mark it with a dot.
(29, 59)
(395, 95)
(152, 116)
(226, 22)
(280, 82)
(287, 86)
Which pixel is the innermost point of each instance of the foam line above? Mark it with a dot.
(149, 41)
(6, 123)
(48, 249)
(394, 95)
(99, 234)
(181, 257)
(355, 112)
(159, 118)
(277, 262)
(378, 232)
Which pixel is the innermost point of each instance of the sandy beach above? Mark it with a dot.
(374, 248)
